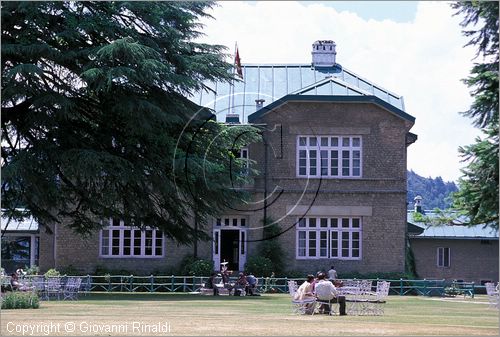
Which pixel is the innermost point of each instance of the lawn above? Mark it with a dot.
(269, 314)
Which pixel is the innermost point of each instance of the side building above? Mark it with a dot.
(332, 175)
(455, 251)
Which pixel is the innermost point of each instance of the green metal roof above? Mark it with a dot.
(272, 82)
(459, 230)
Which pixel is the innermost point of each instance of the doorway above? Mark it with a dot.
(229, 248)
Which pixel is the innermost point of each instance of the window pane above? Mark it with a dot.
(159, 243)
(323, 243)
(324, 222)
(312, 244)
(302, 162)
(127, 242)
(149, 243)
(345, 141)
(334, 141)
(235, 222)
(302, 141)
(324, 141)
(313, 141)
(302, 243)
(446, 253)
(226, 222)
(345, 163)
(243, 222)
(216, 242)
(345, 223)
(312, 222)
(115, 222)
(333, 244)
(334, 162)
(324, 162)
(115, 246)
(345, 244)
(242, 242)
(302, 222)
(218, 222)
(334, 222)
(355, 223)
(137, 242)
(312, 162)
(356, 142)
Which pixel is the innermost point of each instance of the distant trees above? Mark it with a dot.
(434, 191)
(478, 196)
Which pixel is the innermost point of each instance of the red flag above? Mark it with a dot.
(237, 63)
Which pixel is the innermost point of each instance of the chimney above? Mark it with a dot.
(232, 119)
(323, 53)
(259, 103)
(418, 204)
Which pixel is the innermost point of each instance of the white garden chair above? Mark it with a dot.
(71, 288)
(374, 302)
(52, 288)
(492, 292)
(300, 306)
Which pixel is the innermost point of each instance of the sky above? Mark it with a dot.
(414, 49)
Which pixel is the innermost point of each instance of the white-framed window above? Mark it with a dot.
(242, 156)
(329, 156)
(231, 222)
(121, 240)
(328, 237)
(443, 257)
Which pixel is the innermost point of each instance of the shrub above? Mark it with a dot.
(33, 270)
(20, 300)
(197, 267)
(52, 272)
(259, 266)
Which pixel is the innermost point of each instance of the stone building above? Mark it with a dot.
(453, 251)
(332, 175)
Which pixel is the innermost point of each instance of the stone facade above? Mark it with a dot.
(378, 197)
(470, 259)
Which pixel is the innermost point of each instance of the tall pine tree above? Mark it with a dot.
(478, 187)
(95, 119)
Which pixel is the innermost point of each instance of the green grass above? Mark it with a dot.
(269, 314)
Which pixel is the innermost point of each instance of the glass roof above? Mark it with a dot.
(273, 81)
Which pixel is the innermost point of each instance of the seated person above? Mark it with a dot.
(304, 292)
(17, 285)
(326, 291)
(210, 284)
(252, 283)
(240, 285)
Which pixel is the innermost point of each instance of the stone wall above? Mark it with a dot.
(470, 260)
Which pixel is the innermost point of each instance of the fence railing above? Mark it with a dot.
(173, 283)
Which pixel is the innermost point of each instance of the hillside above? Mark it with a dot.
(434, 191)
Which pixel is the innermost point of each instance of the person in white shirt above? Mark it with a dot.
(326, 291)
(332, 274)
(304, 292)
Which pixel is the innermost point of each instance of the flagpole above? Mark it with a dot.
(234, 74)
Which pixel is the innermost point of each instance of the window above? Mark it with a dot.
(443, 257)
(120, 240)
(235, 222)
(329, 237)
(329, 156)
(242, 157)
